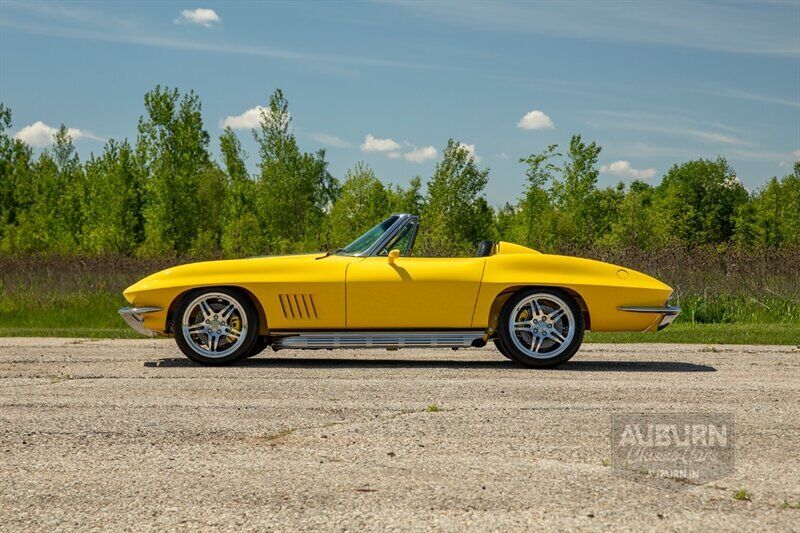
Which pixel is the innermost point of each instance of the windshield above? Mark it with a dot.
(363, 243)
(402, 241)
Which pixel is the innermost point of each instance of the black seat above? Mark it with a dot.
(484, 249)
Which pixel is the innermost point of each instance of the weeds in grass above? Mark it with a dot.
(742, 495)
(788, 505)
(433, 408)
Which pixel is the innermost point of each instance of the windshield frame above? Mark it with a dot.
(386, 237)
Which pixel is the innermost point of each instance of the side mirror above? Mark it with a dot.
(393, 255)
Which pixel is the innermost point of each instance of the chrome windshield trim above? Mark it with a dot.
(389, 234)
(667, 310)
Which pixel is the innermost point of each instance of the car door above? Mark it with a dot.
(412, 292)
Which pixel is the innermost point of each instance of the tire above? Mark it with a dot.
(206, 322)
(498, 343)
(259, 346)
(532, 337)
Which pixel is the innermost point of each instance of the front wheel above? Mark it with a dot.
(215, 326)
(541, 328)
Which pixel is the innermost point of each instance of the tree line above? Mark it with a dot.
(165, 194)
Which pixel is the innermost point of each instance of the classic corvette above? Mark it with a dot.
(374, 293)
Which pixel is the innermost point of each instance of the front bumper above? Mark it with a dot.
(669, 312)
(133, 316)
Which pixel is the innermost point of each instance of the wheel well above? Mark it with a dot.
(262, 316)
(503, 296)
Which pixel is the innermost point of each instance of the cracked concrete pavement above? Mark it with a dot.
(127, 434)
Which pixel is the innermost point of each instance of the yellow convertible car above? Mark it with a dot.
(374, 294)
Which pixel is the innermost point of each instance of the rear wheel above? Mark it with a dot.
(541, 328)
(216, 326)
(498, 343)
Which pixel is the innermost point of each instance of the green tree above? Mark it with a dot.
(406, 199)
(212, 197)
(294, 188)
(575, 196)
(638, 222)
(772, 216)
(242, 234)
(456, 215)
(50, 201)
(172, 148)
(363, 202)
(113, 209)
(532, 224)
(507, 223)
(699, 201)
(15, 170)
(73, 182)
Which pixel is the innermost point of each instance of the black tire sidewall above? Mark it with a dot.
(498, 343)
(259, 346)
(518, 356)
(250, 337)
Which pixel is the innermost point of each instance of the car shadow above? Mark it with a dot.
(635, 366)
(328, 362)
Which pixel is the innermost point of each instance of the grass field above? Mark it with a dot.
(753, 299)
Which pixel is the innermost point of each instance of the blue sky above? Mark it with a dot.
(389, 82)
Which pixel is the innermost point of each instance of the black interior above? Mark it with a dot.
(484, 249)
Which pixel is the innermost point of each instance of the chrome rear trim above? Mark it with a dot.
(133, 317)
(666, 321)
(669, 314)
(377, 339)
(667, 310)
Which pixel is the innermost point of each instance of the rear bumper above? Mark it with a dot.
(669, 313)
(134, 317)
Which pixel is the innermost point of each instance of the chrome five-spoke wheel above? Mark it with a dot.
(215, 326)
(541, 327)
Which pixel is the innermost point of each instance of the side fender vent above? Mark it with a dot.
(298, 306)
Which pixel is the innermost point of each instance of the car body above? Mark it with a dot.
(375, 293)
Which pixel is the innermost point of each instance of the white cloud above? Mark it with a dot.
(535, 120)
(420, 155)
(623, 169)
(796, 153)
(394, 155)
(40, 134)
(248, 120)
(373, 144)
(202, 16)
(503, 155)
(470, 148)
(331, 140)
